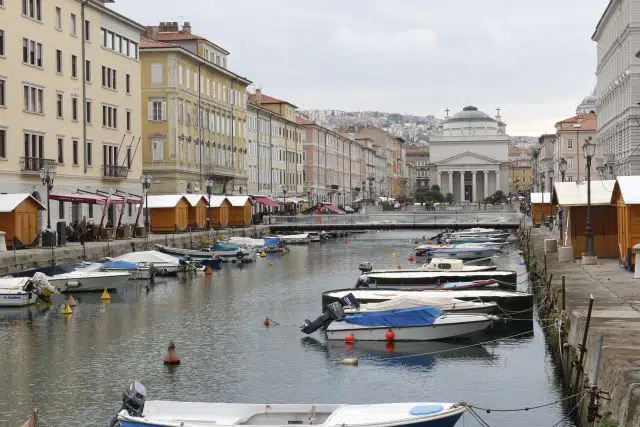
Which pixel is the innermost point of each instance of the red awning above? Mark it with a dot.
(266, 201)
(94, 199)
(331, 207)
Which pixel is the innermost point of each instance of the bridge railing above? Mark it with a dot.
(432, 218)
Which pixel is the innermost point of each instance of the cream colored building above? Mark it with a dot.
(193, 113)
(47, 74)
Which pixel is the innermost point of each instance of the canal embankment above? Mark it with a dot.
(597, 349)
(39, 257)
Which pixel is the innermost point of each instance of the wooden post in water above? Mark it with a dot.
(583, 346)
(564, 293)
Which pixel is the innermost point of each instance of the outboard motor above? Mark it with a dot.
(333, 311)
(133, 399)
(350, 301)
(365, 267)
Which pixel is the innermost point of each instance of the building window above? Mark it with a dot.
(60, 150)
(74, 152)
(128, 121)
(109, 116)
(3, 101)
(3, 144)
(109, 78)
(179, 75)
(58, 18)
(1, 42)
(87, 30)
(32, 9)
(74, 108)
(128, 83)
(569, 143)
(180, 111)
(58, 61)
(89, 154)
(157, 110)
(74, 29)
(156, 74)
(87, 68)
(74, 66)
(31, 53)
(88, 112)
(157, 148)
(33, 99)
(59, 106)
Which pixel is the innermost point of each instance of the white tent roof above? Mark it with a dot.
(238, 201)
(8, 202)
(194, 199)
(216, 201)
(575, 193)
(164, 201)
(629, 188)
(537, 197)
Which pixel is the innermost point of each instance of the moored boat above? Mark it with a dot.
(225, 251)
(459, 252)
(435, 264)
(89, 281)
(138, 412)
(421, 278)
(446, 303)
(163, 264)
(24, 291)
(293, 239)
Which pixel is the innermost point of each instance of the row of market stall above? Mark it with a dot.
(615, 215)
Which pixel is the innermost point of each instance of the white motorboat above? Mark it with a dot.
(247, 242)
(424, 279)
(89, 281)
(294, 239)
(138, 412)
(464, 252)
(476, 231)
(453, 264)
(137, 271)
(163, 264)
(24, 291)
(314, 236)
(446, 303)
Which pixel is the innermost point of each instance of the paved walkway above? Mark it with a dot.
(615, 317)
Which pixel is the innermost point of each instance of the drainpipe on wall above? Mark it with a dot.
(200, 123)
(83, 4)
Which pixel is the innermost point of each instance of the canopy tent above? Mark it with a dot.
(323, 208)
(264, 200)
(288, 200)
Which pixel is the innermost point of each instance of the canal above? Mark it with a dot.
(74, 369)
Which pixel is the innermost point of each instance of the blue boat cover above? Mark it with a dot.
(417, 316)
(272, 241)
(453, 285)
(426, 410)
(120, 265)
(225, 246)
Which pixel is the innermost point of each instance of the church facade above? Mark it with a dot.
(469, 156)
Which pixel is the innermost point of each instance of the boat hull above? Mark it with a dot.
(90, 283)
(17, 299)
(409, 278)
(449, 421)
(437, 331)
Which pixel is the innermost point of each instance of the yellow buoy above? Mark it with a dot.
(66, 309)
(263, 254)
(350, 361)
(105, 295)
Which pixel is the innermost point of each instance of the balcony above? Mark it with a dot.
(115, 172)
(32, 165)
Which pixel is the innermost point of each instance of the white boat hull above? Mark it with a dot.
(89, 282)
(446, 327)
(461, 253)
(17, 298)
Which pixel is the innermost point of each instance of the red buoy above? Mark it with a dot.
(390, 347)
(390, 335)
(348, 338)
(171, 357)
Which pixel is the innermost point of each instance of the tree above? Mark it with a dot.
(435, 188)
(449, 198)
(496, 198)
(424, 195)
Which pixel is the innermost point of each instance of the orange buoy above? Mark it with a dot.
(266, 322)
(349, 338)
(208, 270)
(390, 335)
(172, 357)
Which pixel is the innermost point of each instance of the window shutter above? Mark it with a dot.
(150, 111)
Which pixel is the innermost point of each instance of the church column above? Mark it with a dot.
(474, 195)
(462, 186)
(450, 189)
(439, 179)
(486, 184)
(498, 180)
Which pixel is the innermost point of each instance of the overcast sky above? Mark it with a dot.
(533, 59)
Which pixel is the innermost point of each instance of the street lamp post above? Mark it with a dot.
(550, 197)
(284, 196)
(589, 257)
(209, 187)
(562, 167)
(47, 176)
(542, 208)
(146, 180)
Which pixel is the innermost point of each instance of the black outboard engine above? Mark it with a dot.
(133, 399)
(350, 301)
(365, 267)
(333, 311)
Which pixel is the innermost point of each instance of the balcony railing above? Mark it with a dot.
(34, 164)
(115, 172)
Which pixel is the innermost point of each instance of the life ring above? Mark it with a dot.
(240, 255)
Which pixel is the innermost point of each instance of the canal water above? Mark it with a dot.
(74, 370)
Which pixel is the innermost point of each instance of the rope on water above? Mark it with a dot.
(526, 408)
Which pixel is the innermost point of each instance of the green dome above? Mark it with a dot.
(470, 114)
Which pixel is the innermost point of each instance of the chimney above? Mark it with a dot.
(174, 26)
(162, 26)
(186, 27)
(259, 96)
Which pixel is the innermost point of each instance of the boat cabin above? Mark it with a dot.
(169, 213)
(240, 211)
(19, 219)
(197, 211)
(444, 264)
(571, 197)
(626, 200)
(541, 205)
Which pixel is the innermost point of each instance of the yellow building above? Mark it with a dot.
(56, 57)
(193, 113)
(520, 172)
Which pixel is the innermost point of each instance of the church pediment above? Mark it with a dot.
(468, 158)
